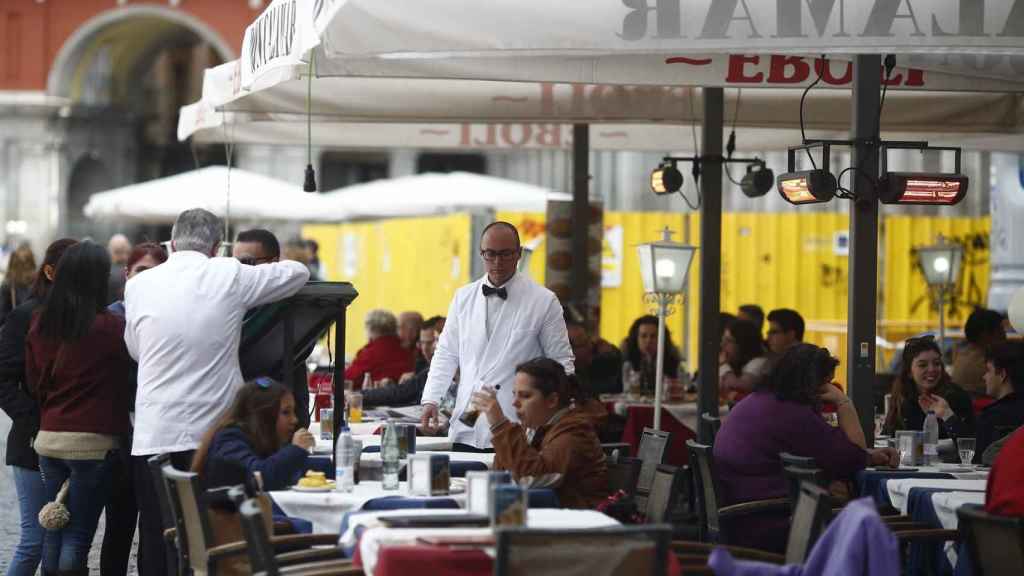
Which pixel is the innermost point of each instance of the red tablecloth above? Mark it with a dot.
(640, 417)
(422, 559)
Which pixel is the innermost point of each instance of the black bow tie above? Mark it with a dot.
(500, 292)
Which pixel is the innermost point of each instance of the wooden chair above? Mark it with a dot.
(666, 491)
(623, 475)
(653, 447)
(176, 553)
(714, 424)
(264, 562)
(795, 461)
(195, 532)
(809, 519)
(616, 450)
(995, 543)
(797, 475)
(706, 491)
(626, 551)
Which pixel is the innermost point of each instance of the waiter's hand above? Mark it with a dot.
(429, 419)
(486, 401)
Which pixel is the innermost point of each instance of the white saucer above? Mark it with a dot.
(328, 488)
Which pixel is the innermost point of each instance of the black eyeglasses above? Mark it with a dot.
(492, 255)
(252, 261)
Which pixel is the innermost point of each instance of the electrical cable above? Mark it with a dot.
(889, 65)
(803, 134)
(695, 172)
(730, 146)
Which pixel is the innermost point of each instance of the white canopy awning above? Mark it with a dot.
(430, 194)
(608, 61)
(636, 42)
(252, 197)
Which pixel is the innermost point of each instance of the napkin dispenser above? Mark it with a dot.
(479, 485)
(429, 474)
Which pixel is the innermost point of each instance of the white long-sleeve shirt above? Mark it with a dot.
(527, 325)
(184, 321)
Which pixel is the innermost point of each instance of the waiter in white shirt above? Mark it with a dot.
(183, 326)
(494, 324)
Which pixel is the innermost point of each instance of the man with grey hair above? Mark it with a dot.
(183, 325)
(120, 249)
(383, 357)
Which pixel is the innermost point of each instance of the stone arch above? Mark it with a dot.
(78, 46)
(88, 175)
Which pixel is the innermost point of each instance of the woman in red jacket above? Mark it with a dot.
(77, 365)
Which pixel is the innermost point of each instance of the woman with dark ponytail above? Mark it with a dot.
(551, 436)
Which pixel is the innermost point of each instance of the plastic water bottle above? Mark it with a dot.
(389, 454)
(344, 460)
(931, 439)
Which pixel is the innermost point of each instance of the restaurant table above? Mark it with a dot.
(899, 488)
(395, 551)
(871, 481)
(932, 557)
(325, 509)
(679, 418)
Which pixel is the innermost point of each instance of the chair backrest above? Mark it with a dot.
(666, 491)
(623, 474)
(796, 475)
(653, 447)
(177, 558)
(714, 424)
(190, 516)
(810, 516)
(789, 459)
(261, 551)
(706, 490)
(616, 450)
(625, 551)
(995, 543)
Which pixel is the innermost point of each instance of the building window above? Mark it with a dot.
(434, 162)
(339, 169)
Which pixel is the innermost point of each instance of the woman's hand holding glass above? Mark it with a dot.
(486, 401)
(303, 439)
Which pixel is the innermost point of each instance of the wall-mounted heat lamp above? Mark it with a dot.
(807, 186)
(921, 187)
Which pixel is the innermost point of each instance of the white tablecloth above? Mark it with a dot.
(364, 433)
(947, 503)
(899, 488)
(324, 509)
(685, 412)
(376, 537)
(488, 458)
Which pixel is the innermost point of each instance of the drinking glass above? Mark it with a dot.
(966, 448)
(355, 407)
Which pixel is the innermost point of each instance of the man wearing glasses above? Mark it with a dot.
(256, 246)
(494, 324)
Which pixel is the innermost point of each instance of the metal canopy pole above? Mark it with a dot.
(863, 275)
(579, 279)
(710, 256)
(339, 379)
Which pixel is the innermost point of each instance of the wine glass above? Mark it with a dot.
(966, 448)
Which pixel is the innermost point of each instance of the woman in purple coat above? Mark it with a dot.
(784, 415)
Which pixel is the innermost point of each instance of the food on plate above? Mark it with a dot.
(314, 479)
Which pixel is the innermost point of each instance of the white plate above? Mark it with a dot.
(327, 488)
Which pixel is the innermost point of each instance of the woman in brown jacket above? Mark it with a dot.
(552, 437)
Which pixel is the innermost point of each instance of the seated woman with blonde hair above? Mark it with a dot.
(257, 434)
(551, 437)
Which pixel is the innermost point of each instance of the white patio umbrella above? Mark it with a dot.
(252, 197)
(431, 194)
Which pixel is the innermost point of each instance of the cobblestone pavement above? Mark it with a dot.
(9, 528)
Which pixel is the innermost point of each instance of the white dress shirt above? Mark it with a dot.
(526, 325)
(183, 324)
